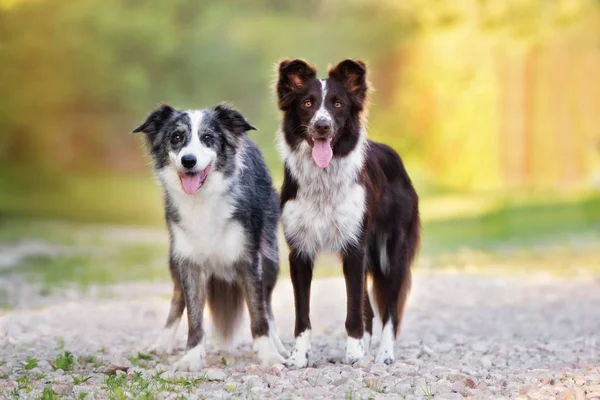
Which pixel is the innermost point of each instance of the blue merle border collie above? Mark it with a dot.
(222, 213)
(345, 194)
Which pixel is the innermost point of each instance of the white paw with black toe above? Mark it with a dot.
(192, 361)
(385, 355)
(299, 357)
(355, 350)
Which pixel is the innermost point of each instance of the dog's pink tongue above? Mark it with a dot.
(322, 152)
(190, 183)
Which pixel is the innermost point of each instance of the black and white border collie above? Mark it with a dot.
(222, 214)
(345, 194)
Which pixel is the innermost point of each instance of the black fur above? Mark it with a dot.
(391, 219)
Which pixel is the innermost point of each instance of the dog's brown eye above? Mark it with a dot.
(308, 104)
(337, 104)
(176, 138)
(207, 139)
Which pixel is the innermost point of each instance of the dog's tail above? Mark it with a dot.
(226, 305)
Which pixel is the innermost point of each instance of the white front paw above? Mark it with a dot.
(159, 348)
(266, 351)
(192, 361)
(284, 353)
(355, 350)
(270, 359)
(166, 341)
(277, 342)
(298, 359)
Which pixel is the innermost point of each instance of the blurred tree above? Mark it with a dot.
(474, 93)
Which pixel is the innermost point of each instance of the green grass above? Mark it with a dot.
(78, 380)
(140, 360)
(109, 198)
(555, 233)
(510, 222)
(65, 361)
(127, 264)
(48, 394)
(30, 363)
(88, 359)
(124, 386)
(86, 254)
(120, 387)
(143, 356)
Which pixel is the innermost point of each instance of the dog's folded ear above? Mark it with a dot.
(232, 120)
(293, 74)
(156, 120)
(353, 75)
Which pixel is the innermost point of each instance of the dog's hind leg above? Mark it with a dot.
(391, 288)
(166, 341)
(368, 316)
(264, 347)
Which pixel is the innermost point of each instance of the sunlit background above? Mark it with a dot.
(493, 104)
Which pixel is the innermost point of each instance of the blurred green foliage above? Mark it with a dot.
(475, 94)
(79, 75)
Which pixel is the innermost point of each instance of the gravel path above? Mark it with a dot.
(476, 336)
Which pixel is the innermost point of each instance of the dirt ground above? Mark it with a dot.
(464, 335)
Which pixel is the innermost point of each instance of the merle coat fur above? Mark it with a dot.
(222, 212)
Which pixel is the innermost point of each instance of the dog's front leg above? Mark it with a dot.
(354, 274)
(301, 270)
(264, 348)
(193, 281)
(166, 342)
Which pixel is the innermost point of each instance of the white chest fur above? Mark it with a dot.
(206, 234)
(328, 211)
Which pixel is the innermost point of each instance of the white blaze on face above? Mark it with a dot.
(322, 153)
(322, 113)
(204, 155)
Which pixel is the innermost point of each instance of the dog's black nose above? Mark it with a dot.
(188, 161)
(323, 127)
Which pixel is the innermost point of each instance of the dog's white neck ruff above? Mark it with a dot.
(328, 211)
(206, 233)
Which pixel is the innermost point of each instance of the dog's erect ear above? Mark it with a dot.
(293, 74)
(156, 120)
(233, 120)
(353, 75)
